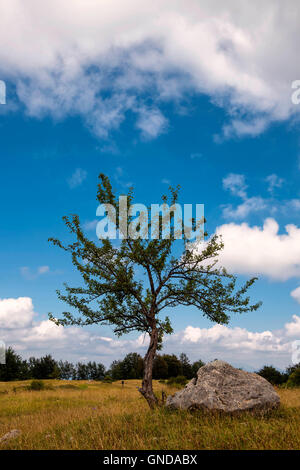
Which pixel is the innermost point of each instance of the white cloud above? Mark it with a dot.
(235, 183)
(237, 345)
(274, 182)
(19, 330)
(233, 338)
(294, 204)
(255, 348)
(261, 251)
(43, 269)
(100, 59)
(292, 329)
(296, 294)
(30, 275)
(44, 332)
(16, 313)
(250, 205)
(77, 178)
(151, 122)
(245, 128)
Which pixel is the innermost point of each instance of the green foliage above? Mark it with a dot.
(67, 370)
(14, 368)
(274, 376)
(167, 366)
(44, 368)
(160, 367)
(113, 294)
(115, 370)
(131, 367)
(294, 379)
(89, 371)
(174, 365)
(292, 369)
(186, 366)
(196, 366)
(55, 374)
(37, 385)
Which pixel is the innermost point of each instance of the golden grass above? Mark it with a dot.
(107, 416)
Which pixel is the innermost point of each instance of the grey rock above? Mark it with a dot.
(221, 387)
(10, 435)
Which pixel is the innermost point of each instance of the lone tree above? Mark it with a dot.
(129, 284)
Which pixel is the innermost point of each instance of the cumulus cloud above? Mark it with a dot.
(245, 348)
(261, 250)
(19, 329)
(233, 338)
(16, 313)
(293, 328)
(238, 345)
(101, 60)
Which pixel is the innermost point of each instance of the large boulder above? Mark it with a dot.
(221, 387)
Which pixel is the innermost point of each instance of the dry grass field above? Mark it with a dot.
(83, 415)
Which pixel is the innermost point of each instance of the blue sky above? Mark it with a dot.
(233, 148)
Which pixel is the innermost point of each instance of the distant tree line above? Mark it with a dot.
(47, 367)
(166, 366)
(131, 367)
(290, 378)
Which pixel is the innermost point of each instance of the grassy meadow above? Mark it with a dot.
(95, 415)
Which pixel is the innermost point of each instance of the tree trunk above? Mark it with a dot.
(147, 390)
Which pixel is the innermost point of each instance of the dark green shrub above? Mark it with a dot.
(179, 380)
(37, 385)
